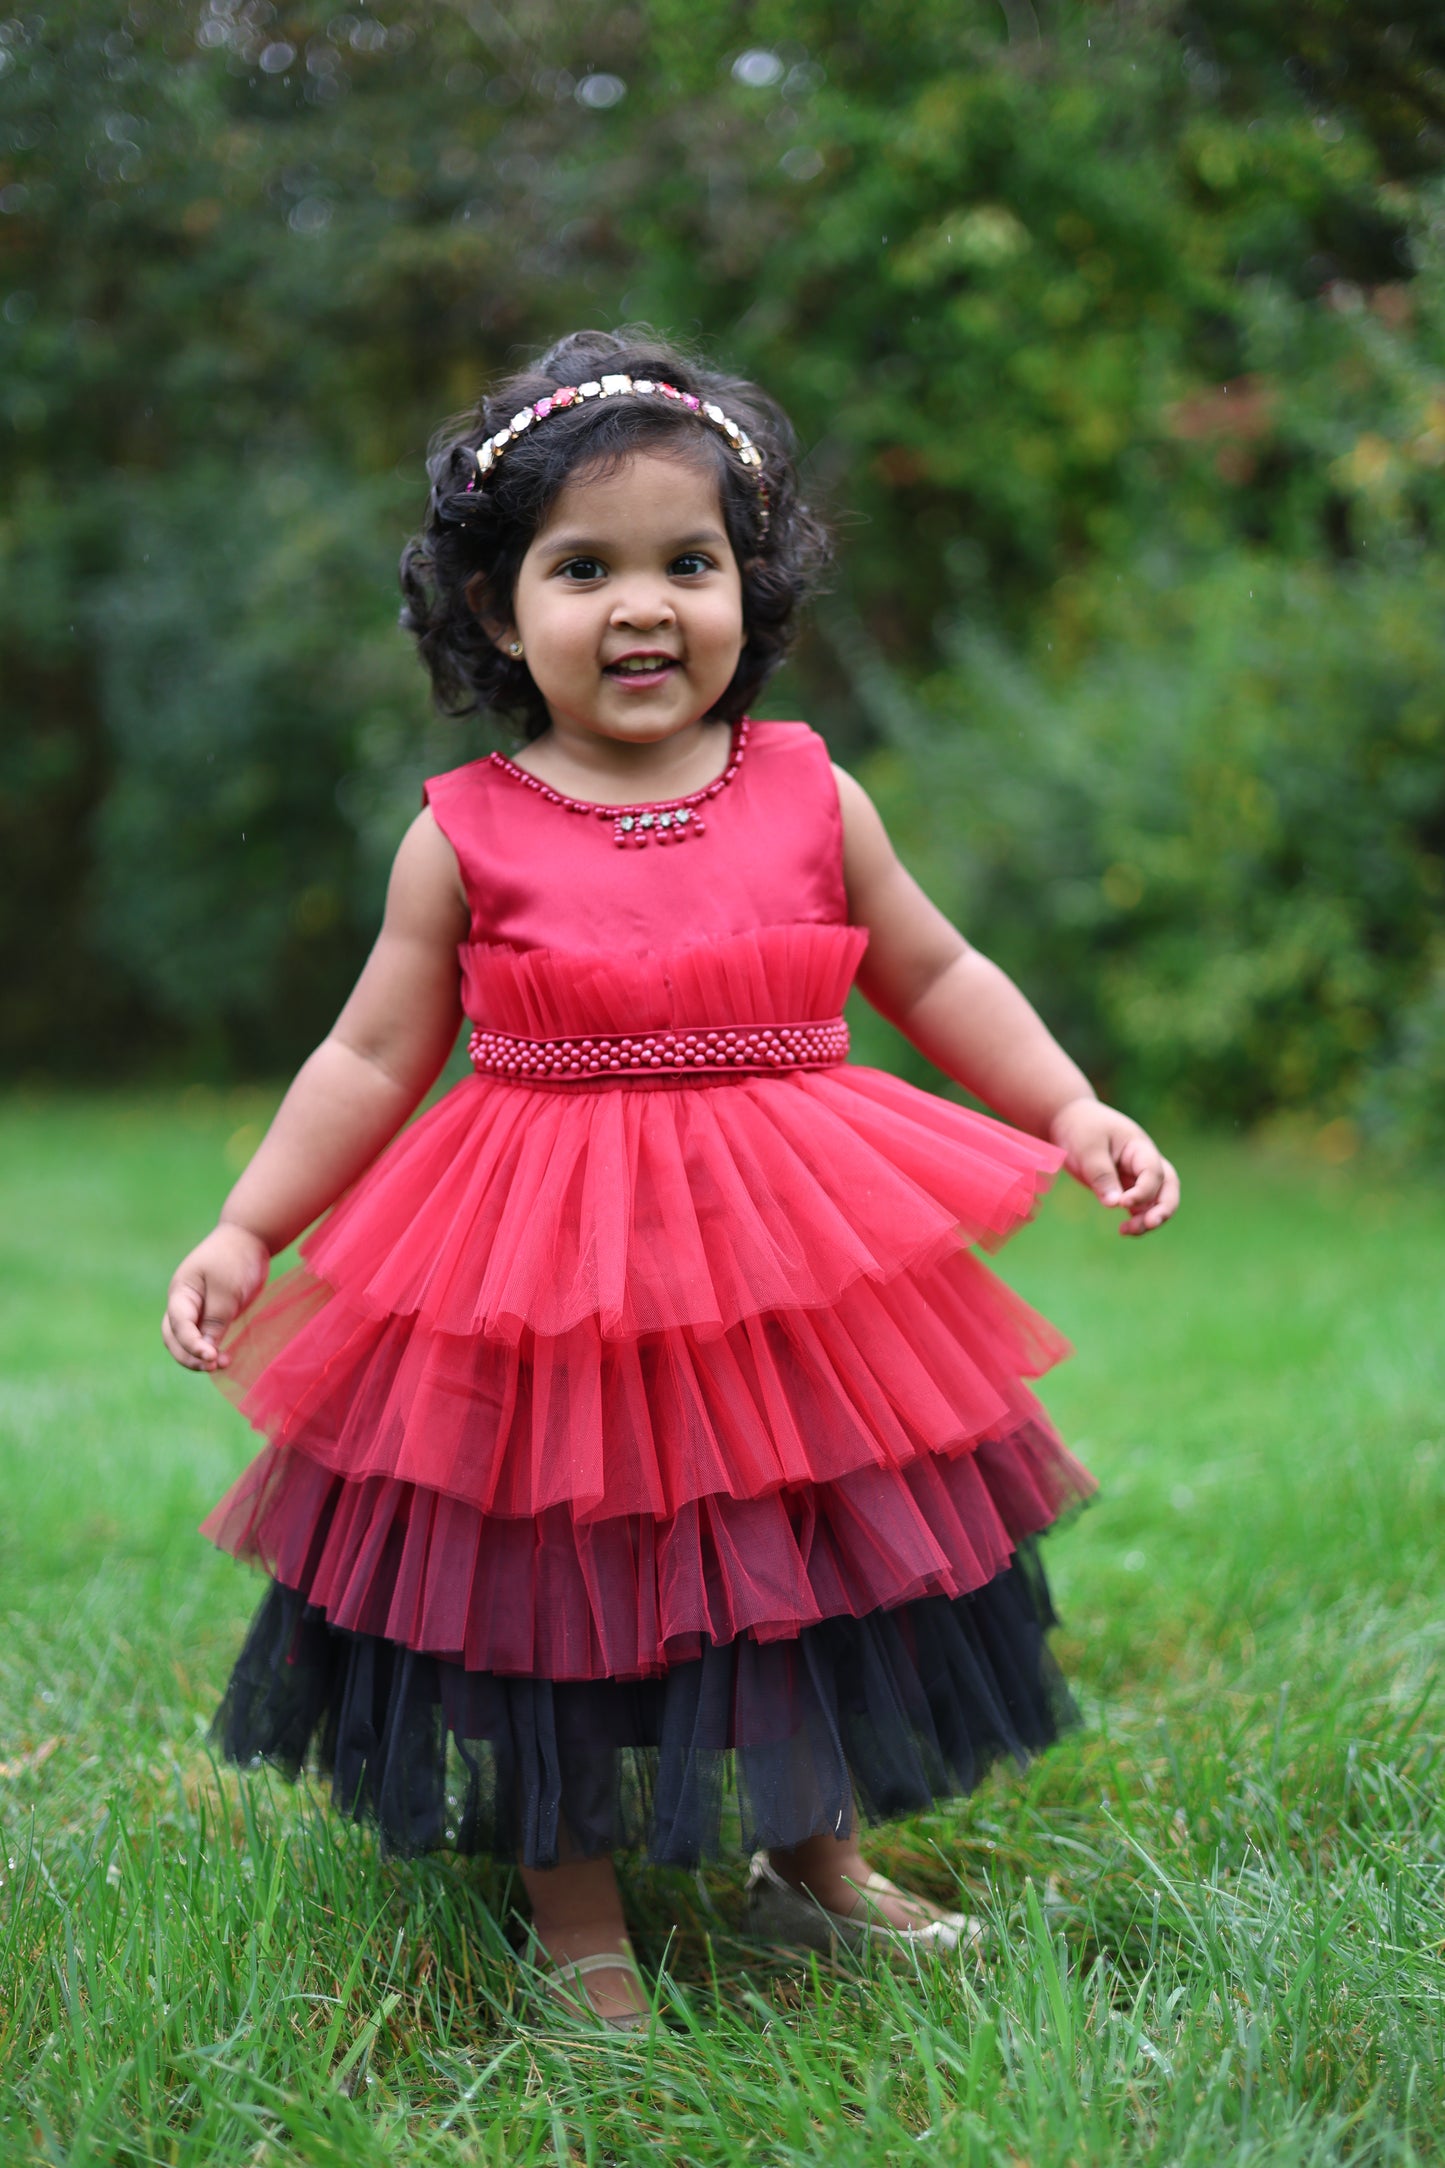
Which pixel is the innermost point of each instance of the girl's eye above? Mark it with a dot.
(581, 568)
(690, 563)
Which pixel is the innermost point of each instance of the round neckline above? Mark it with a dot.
(737, 746)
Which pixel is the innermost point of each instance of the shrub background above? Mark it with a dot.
(1115, 340)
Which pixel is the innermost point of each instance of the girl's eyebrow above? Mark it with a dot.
(581, 545)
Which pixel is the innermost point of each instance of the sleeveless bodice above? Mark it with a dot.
(539, 876)
(573, 931)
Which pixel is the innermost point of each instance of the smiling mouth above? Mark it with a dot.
(640, 666)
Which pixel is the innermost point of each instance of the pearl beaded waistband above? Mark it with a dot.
(703, 1051)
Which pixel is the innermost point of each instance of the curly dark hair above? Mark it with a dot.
(486, 531)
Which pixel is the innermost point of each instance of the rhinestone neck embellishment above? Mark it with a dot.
(635, 826)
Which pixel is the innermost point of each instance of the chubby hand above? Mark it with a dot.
(1119, 1162)
(210, 1287)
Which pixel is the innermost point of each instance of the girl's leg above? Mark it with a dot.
(577, 1912)
(833, 1870)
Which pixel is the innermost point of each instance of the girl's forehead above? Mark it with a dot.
(644, 491)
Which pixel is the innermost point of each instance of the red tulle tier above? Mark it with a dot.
(512, 1208)
(925, 1362)
(556, 1598)
(646, 1210)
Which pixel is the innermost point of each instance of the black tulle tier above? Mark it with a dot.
(750, 1744)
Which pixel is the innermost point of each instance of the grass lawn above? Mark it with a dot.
(1217, 1909)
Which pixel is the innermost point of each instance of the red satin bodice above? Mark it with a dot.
(538, 876)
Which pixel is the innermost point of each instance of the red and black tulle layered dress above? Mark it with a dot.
(649, 1459)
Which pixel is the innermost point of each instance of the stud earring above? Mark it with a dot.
(514, 647)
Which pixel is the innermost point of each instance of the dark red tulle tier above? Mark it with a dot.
(557, 1598)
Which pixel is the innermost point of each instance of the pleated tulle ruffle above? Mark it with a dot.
(748, 1744)
(921, 1363)
(789, 974)
(652, 1210)
(627, 1597)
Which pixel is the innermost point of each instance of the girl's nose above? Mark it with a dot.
(643, 611)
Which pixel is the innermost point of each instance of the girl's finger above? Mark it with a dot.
(176, 1346)
(1163, 1208)
(184, 1311)
(1096, 1168)
(1137, 1154)
(184, 1328)
(211, 1330)
(1148, 1180)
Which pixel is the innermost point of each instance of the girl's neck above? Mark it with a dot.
(611, 771)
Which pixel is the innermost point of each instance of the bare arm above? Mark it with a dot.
(349, 1098)
(969, 1018)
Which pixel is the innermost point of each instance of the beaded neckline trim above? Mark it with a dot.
(667, 820)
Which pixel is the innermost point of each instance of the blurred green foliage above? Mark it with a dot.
(1115, 341)
(1210, 846)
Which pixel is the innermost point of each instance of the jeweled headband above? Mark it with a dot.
(611, 387)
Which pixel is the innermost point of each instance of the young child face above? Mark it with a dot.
(629, 601)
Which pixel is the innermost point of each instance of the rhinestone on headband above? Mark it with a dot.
(612, 387)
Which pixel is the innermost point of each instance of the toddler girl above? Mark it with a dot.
(648, 1455)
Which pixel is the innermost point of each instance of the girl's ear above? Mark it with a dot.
(498, 627)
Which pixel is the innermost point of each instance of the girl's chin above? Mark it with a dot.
(643, 727)
(655, 712)
(635, 720)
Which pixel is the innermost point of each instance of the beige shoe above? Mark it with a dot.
(776, 1912)
(562, 1985)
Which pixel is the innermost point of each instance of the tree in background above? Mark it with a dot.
(1115, 340)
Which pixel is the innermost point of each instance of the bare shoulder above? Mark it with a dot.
(426, 881)
(866, 847)
(850, 791)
